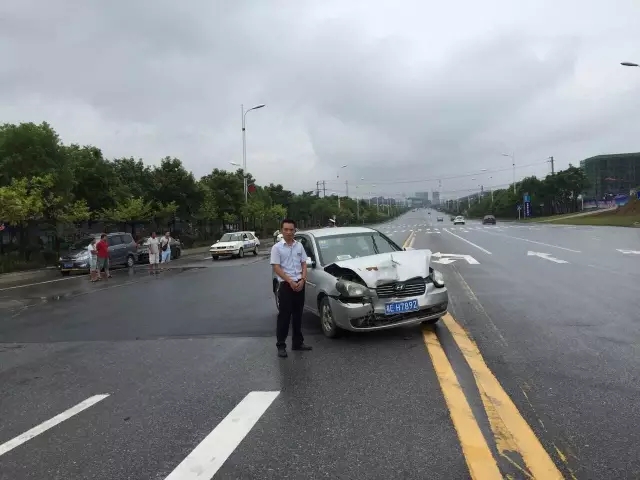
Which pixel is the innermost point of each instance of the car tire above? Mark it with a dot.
(255, 251)
(65, 274)
(241, 253)
(215, 257)
(327, 322)
(130, 261)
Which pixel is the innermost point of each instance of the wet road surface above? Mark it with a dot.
(534, 373)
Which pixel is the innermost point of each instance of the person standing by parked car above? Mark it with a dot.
(102, 252)
(165, 248)
(94, 273)
(289, 263)
(154, 253)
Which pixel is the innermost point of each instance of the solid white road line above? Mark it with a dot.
(210, 454)
(470, 243)
(43, 427)
(533, 241)
(79, 277)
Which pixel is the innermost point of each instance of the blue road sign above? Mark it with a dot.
(527, 209)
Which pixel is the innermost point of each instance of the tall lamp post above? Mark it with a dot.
(338, 176)
(244, 148)
(512, 156)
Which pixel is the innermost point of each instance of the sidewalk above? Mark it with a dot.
(52, 273)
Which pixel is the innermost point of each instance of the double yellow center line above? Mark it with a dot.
(511, 433)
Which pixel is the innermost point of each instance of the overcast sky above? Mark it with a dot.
(404, 92)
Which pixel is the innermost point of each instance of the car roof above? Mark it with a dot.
(329, 232)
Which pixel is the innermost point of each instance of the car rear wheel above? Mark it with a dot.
(327, 322)
(255, 250)
(241, 253)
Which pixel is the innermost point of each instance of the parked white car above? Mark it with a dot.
(235, 244)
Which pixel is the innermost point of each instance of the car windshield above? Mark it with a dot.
(231, 237)
(81, 244)
(344, 247)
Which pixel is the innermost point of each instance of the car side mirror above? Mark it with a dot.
(310, 262)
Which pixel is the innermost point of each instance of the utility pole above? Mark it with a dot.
(318, 188)
(552, 166)
(346, 183)
(324, 189)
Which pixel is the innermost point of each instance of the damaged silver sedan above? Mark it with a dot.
(360, 280)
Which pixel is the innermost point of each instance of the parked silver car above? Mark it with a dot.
(360, 280)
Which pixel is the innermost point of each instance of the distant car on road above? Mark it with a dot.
(360, 280)
(122, 252)
(489, 220)
(235, 245)
(459, 220)
(440, 219)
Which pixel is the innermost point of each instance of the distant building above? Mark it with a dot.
(611, 174)
(423, 195)
(436, 198)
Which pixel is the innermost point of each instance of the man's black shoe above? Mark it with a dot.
(303, 348)
(282, 353)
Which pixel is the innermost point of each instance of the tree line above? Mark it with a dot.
(56, 191)
(554, 194)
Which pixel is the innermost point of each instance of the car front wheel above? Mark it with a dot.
(327, 322)
(215, 257)
(241, 253)
(130, 261)
(255, 250)
(431, 322)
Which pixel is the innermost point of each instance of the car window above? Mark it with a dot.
(82, 243)
(250, 237)
(231, 237)
(344, 247)
(114, 240)
(306, 244)
(127, 238)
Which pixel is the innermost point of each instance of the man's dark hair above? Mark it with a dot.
(104, 235)
(288, 220)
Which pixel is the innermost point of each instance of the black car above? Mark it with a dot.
(489, 220)
(122, 252)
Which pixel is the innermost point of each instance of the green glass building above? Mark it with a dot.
(611, 174)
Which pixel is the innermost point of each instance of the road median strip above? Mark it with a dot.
(515, 440)
(409, 241)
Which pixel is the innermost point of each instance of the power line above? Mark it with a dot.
(448, 177)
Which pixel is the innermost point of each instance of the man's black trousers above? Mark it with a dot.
(291, 306)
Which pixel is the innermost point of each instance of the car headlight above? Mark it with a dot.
(84, 256)
(438, 279)
(350, 289)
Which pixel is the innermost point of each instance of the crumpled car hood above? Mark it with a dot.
(389, 267)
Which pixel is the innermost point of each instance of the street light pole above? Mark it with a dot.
(513, 163)
(244, 148)
(338, 176)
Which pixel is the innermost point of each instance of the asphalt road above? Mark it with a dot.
(534, 373)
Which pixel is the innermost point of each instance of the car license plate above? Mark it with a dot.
(68, 265)
(394, 308)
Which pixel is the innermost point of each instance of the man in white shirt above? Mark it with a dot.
(154, 253)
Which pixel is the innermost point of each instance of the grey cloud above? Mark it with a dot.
(342, 83)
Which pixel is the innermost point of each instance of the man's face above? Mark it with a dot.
(288, 230)
(153, 235)
(166, 234)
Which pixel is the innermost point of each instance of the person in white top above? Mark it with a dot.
(154, 252)
(165, 248)
(93, 260)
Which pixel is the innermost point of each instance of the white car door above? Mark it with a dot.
(311, 288)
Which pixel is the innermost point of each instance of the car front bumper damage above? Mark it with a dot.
(369, 314)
